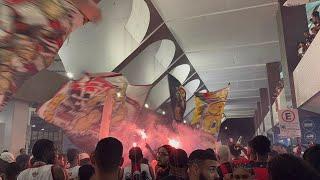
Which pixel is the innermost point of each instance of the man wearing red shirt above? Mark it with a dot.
(260, 148)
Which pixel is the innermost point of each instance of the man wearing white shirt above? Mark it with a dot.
(73, 159)
(43, 168)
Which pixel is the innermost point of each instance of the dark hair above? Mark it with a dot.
(108, 154)
(210, 151)
(72, 155)
(234, 150)
(135, 154)
(85, 161)
(202, 155)
(22, 150)
(86, 172)
(12, 171)
(168, 148)
(22, 161)
(315, 13)
(288, 167)
(312, 156)
(61, 156)
(260, 145)
(44, 150)
(178, 158)
(145, 161)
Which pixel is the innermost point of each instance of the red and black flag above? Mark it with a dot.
(178, 98)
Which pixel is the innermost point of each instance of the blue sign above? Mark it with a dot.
(308, 125)
(310, 130)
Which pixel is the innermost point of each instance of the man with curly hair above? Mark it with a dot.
(259, 148)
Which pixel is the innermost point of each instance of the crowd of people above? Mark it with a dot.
(227, 162)
(310, 34)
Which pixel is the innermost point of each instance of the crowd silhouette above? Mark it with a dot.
(257, 161)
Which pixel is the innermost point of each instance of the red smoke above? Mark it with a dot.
(157, 135)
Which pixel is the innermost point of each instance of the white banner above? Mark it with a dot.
(289, 123)
(296, 2)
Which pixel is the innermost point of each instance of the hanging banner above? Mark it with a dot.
(178, 98)
(289, 123)
(89, 108)
(209, 110)
(31, 34)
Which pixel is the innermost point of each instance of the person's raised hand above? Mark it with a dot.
(90, 9)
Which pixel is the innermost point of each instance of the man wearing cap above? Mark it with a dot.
(84, 159)
(8, 157)
(5, 159)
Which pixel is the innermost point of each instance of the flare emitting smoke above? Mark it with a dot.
(142, 133)
(174, 143)
(152, 132)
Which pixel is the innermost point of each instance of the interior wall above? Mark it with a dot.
(2, 135)
(13, 130)
(307, 74)
(6, 118)
(293, 24)
(20, 122)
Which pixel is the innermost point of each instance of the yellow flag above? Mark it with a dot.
(209, 110)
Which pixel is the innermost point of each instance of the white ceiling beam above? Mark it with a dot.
(236, 106)
(227, 67)
(226, 108)
(238, 86)
(237, 81)
(244, 97)
(243, 90)
(240, 116)
(221, 12)
(240, 111)
(234, 47)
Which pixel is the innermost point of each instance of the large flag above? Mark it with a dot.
(31, 34)
(178, 98)
(89, 108)
(209, 110)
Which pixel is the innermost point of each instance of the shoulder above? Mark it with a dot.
(22, 174)
(169, 178)
(127, 168)
(58, 173)
(76, 168)
(145, 166)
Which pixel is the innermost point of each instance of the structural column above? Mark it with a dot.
(14, 121)
(265, 106)
(273, 73)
